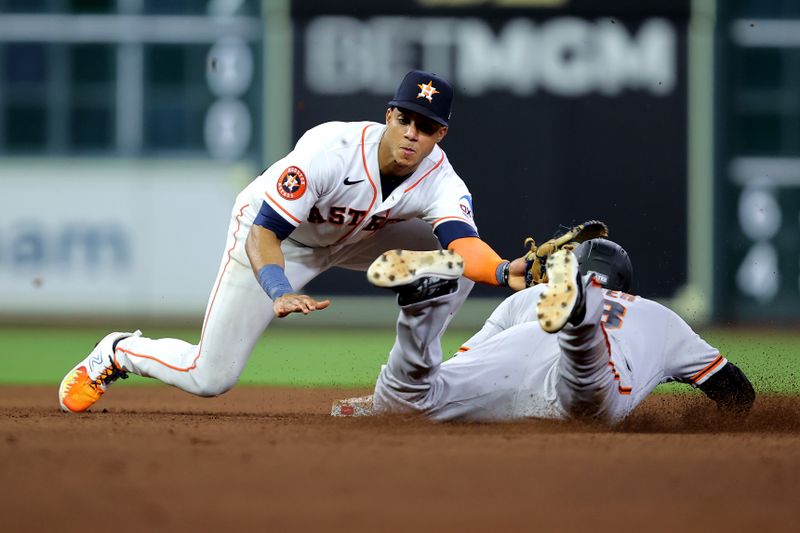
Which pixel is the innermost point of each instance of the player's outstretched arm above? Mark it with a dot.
(297, 303)
(266, 258)
(731, 390)
(483, 265)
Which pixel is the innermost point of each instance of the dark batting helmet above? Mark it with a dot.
(608, 261)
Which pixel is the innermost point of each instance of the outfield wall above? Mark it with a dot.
(549, 104)
(111, 241)
(139, 121)
(111, 236)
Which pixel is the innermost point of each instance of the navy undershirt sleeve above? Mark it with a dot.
(270, 219)
(449, 231)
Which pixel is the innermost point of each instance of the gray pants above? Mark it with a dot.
(588, 385)
(512, 369)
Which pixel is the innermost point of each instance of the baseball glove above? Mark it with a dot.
(536, 257)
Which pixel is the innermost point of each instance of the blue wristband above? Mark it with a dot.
(501, 273)
(273, 281)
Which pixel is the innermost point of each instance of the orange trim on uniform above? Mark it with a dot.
(157, 360)
(210, 307)
(372, 183)
(281, 208)
(366, 167)
(622, 390)
(708, 368)
(428, 172)
(445, 218)
(464, 349)
(480, 260)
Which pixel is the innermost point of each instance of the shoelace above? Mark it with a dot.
(109, 375)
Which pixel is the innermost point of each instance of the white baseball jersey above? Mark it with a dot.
(329, 189)
(648, 344)
(513, 369)
(326, 194)
(634, 325)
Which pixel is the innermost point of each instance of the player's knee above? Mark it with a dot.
(210, 386)
(215, 390)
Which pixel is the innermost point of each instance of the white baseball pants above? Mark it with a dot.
(239, 311)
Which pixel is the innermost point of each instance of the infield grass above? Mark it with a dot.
(311, 357)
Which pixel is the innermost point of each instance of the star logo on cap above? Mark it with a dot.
(427, 90)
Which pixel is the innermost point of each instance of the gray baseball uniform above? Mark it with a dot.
(603, 367)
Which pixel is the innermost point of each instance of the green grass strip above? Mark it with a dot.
(352, 357)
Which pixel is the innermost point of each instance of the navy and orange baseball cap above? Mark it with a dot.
(425, 93)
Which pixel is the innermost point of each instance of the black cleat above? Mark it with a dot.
(417, 276)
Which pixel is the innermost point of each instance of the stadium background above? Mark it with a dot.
(128, 126)
(123, 123)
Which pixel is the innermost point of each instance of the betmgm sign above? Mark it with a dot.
(573, 56)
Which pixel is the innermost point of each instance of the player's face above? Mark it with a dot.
(409, 138)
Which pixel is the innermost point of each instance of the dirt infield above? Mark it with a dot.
(266, 459)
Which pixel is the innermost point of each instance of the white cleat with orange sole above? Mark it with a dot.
(84, 384)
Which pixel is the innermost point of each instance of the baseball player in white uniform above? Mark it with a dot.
(566, 349)
(346, 193)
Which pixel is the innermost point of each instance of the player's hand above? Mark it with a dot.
(516, 273)
(297, 303)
